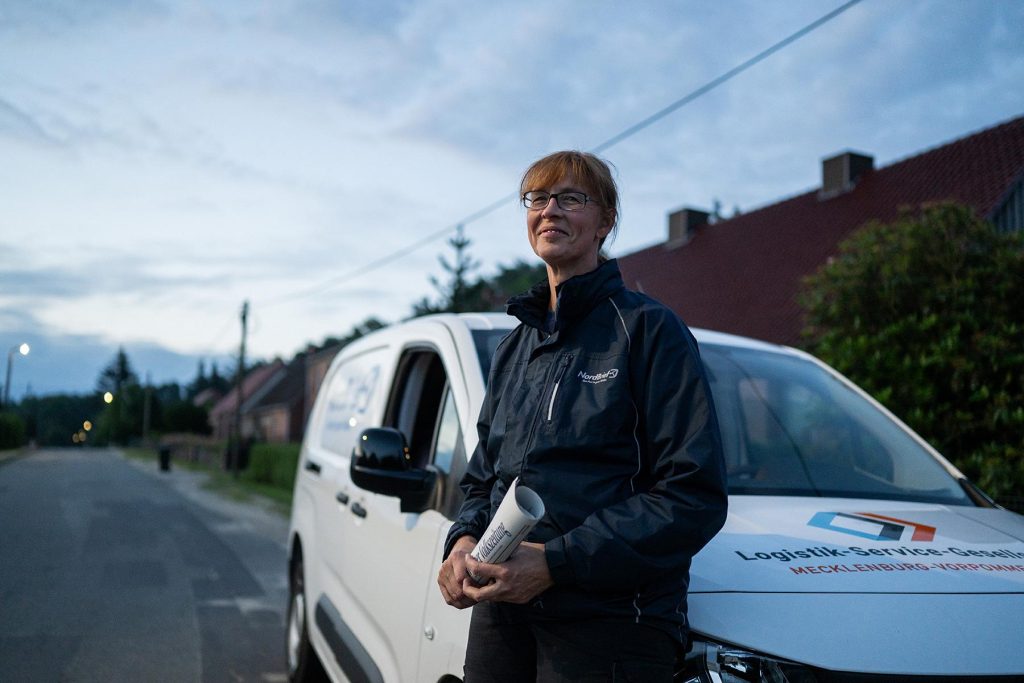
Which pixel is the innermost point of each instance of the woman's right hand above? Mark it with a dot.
(453, 574)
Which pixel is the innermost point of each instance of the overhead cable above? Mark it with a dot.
(610, 142)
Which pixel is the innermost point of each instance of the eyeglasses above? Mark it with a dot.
(567, 201)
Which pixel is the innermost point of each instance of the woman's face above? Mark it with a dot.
(567, 241)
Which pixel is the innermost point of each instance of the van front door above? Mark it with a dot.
(391, 563)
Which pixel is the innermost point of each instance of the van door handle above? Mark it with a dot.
(312, 467)
(341, 497)
(358, 510)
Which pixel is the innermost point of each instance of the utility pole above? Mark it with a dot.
(235, 455)
(146, 409)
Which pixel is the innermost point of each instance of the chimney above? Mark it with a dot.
(839, 174)
(683, 224)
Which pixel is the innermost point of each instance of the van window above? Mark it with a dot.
(349, 401)
(449, 456)
(415, 402)
(422, 407)
(486, 342)
(791, 428)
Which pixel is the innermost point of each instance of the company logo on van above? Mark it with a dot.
(873, 526)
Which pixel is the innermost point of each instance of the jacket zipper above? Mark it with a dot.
(563, 365)
(558, 378)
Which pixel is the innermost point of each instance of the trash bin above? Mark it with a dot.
(165, 458)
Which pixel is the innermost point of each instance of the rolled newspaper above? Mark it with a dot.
(519, 512)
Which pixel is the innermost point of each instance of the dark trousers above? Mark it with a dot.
(506, 649)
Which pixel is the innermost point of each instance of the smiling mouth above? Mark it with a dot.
(549, 231)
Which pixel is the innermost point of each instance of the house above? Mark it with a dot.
(317, 364)
(207, 398)
(222, 415)
(743, 274)
(275, 412)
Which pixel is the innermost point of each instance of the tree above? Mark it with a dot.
(454, 295)
(52, 420)
(200, 383)
(123, 417)
(185, 417)
(12, 430)
(218, 381)
(491, 294)
(116, 374)
(925, 314)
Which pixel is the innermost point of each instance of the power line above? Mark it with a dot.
(728, 75)
(395, 255)
(610, 142)
(228, 322)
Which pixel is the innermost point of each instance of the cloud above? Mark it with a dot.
(171, 161)
(48, 17)
(36, 284)
(18, 124)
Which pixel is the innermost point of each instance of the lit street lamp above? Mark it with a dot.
(108, 397)
(23, 350)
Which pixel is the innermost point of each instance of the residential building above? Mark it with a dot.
(222, 415)
(743, 274)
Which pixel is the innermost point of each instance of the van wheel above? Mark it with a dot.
(303, 664)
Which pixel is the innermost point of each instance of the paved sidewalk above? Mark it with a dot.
(13, 454)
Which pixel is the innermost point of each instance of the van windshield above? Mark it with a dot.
(486, 342)
(791, 428)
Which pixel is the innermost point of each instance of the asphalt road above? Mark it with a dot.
(113, 571)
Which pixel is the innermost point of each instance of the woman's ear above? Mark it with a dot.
(609, 223)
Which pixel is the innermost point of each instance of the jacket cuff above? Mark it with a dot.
(454, 534)
(558, 561)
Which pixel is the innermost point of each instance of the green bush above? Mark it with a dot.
(925, 314)
(183, 417)
(273, 464)
(12, 431)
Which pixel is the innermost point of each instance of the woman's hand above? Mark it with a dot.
(453, 576)
(519, 579)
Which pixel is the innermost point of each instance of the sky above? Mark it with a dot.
(162, 162)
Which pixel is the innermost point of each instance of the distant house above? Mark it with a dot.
(275, 413)
(207, 398)
(316, 363)
(222, 415)
(742, 274)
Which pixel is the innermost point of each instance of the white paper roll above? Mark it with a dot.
(519, 512)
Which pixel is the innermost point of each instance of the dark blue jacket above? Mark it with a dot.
(610, 420)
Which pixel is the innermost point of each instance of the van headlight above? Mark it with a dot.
(713, 663)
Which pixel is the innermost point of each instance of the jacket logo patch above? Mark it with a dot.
(599, 377)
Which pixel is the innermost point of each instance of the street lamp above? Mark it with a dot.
(23, 350)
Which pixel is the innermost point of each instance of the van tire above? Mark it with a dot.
(303, 664)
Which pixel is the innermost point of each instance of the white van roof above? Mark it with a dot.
(503, 321)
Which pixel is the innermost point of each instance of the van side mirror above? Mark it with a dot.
(381, 463)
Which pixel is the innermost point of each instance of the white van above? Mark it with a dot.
(853, 551)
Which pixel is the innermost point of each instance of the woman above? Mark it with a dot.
(598, 402)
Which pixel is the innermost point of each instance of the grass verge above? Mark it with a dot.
(267, 478)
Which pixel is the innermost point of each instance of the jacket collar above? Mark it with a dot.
(576, 297)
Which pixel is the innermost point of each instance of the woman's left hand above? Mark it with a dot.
(519, 579)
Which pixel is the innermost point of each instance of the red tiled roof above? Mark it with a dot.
(742, 275)
(254, 379)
